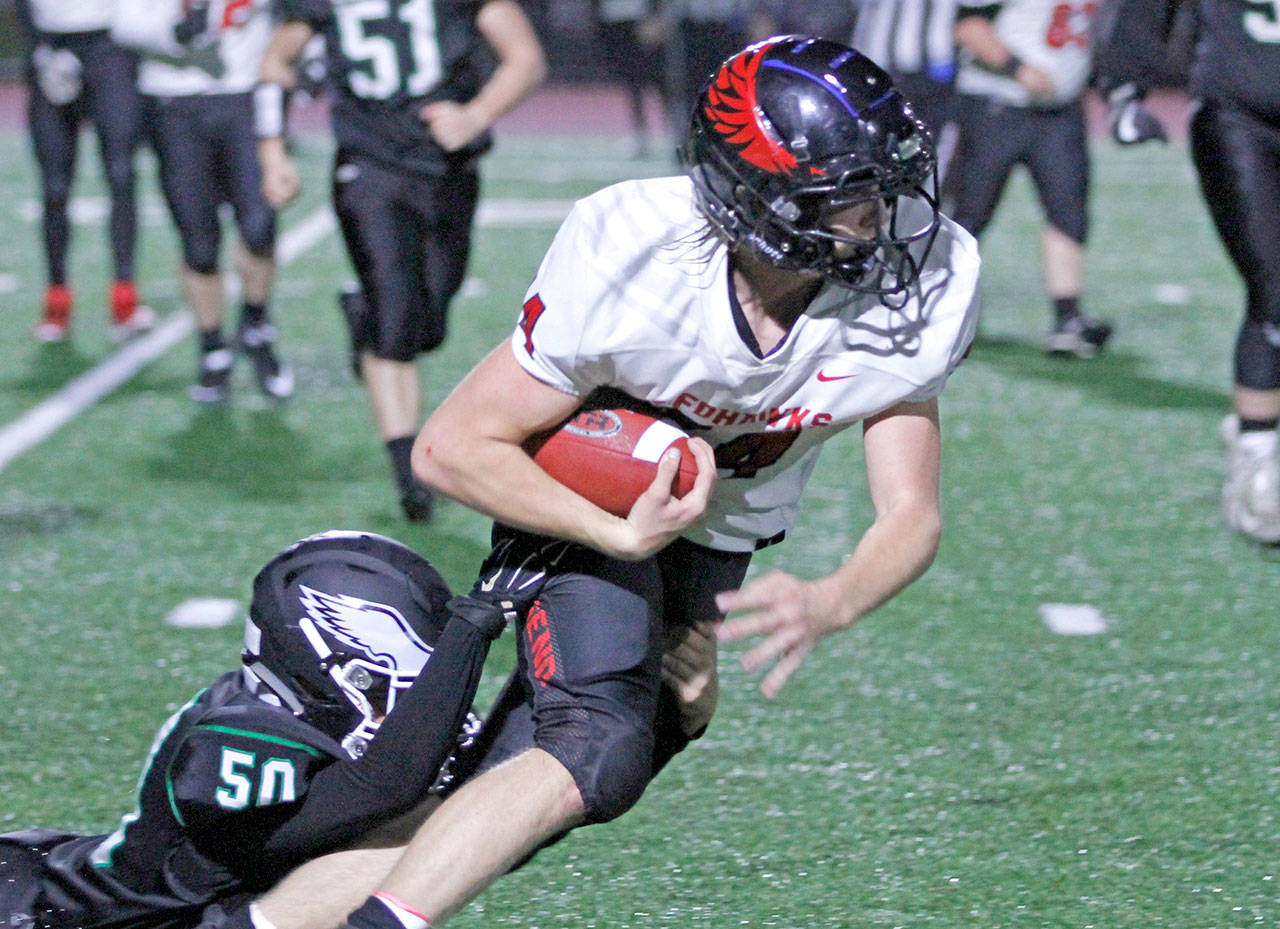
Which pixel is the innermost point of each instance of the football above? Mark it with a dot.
(611, 456)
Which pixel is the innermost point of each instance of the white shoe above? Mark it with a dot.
(143, 319)
(1251, 491)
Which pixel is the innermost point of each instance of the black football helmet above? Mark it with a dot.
(339, 626)
(794, 129)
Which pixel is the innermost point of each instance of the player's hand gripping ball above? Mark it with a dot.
(611, 456)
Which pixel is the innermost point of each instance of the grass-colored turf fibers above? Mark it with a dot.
(949, 763)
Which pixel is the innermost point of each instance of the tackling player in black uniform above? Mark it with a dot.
(1235, 144)
(412, 115)
(76, 73)
(288, 757)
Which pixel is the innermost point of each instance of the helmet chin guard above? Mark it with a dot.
(793, 130)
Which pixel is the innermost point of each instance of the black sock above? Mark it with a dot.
(400, 450)
(1258, 425)
(1065, 308)
(211, 340)
(252, 314)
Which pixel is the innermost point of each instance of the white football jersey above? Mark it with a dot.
(1053, 35)
(634, 295)
(70, 15)
(240, 30)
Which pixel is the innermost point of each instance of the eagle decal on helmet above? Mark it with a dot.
(735, 112)
(374, 629)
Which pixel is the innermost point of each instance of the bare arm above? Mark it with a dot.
(521, 68)
(470, 450)
(902, 447)
(978, 35)
(280, 181)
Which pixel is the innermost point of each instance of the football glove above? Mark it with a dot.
(1131, 122)
(59, 74)
(510, 580)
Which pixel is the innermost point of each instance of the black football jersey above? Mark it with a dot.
(1237, 48)
(1238, 54)
(224, 773)
(387, 58)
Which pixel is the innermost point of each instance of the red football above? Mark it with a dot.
(611, 456)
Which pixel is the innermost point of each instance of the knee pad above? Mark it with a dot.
(1257, 364)
(200, 255)
(433, 333)
(610, 759)
(258, 232)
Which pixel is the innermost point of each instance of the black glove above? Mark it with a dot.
(1131, 122)
(510, 579)
(194, 23)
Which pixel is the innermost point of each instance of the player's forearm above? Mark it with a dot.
(499, 479)
(978, 36)
(897, 549)
(522, 66)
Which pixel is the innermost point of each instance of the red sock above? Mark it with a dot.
(124, 299)
(57, 304)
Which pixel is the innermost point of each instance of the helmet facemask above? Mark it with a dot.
(370, 683)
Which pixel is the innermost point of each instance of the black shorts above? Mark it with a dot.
(590, 660)
(208, 155)
(409, 237)
(1237, 156)
(1051, 143)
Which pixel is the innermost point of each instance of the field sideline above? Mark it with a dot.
(950, 763)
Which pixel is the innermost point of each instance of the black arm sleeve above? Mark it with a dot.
(402, 760)
(1129, 41)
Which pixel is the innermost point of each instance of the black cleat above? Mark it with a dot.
(213, 382)
(1078, 336)
(416, 503)
(274, 377)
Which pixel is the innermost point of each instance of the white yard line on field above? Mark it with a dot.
(42, 421)
(78, 395)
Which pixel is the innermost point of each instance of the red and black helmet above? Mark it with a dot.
(793, 129)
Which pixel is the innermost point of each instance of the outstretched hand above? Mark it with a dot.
(789, 614)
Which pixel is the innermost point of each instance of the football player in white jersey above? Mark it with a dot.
(1023, 66)
(200, 61)
(77, 74)
(797, 281)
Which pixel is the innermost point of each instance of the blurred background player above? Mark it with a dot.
(76, 73)
(1023, 70)
(412, 114)
(914, 41)
(355, 658)
(1235, 145)
(628, 35)
(200, 61)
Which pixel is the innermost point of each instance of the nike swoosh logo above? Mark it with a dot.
(487, 586)
(824, 378)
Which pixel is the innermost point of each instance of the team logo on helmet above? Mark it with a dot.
(735, 112)
(377, 630)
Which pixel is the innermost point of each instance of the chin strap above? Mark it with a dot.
(278, 687)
